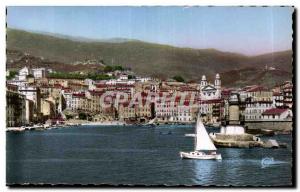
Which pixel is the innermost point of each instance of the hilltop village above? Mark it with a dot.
(36, 96)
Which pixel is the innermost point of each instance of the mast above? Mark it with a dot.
(196, 126)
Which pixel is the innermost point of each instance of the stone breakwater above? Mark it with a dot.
(280, 126)
(243, 141)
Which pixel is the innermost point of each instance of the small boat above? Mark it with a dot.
(15, 129)
(169, 133)
(204, 147)
(151, 122)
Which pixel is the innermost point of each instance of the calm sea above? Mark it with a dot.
(136, 155)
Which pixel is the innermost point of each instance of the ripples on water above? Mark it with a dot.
(136, 155)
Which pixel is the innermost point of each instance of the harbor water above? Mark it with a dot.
(138, 155)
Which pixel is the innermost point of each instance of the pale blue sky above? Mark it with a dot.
(247, 30)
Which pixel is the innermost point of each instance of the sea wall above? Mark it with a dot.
(272, 125)
(230, 137)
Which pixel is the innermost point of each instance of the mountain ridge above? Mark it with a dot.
(144, 58)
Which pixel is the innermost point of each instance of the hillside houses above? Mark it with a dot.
(139, 99)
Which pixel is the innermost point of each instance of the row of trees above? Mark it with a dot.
(178, 78)
(93, 76)
(109, 68)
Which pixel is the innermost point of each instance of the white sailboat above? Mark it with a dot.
(204, 147)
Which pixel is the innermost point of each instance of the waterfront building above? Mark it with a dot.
(255, 109)
(126, 112)
(258, 100)
(67, 97)
(30, 112)
(288, 96)
(186, 113)
(77, 101)
(278, 99)
(211, 111)
(277, 114)
(143, 111)
(33, 94)
(170, 111)
(95, 97)
(15, 107)
(47, 109)
(166, 111)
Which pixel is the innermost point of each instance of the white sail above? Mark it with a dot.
(152, 121)
(202, 139)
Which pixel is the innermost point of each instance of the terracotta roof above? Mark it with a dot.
(124, 85)
(210, 101)
(277, 94)
(274, 111)
(289, 87)
(78, 95)
(99, 93)
(256, 89)
(225, 92)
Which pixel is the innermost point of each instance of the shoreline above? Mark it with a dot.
(115, 123)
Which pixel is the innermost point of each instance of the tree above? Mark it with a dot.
(178, 78)
(108, 68)
(118, 67)
(82, 116)
(11, 75)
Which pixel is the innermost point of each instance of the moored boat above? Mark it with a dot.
(15, 129)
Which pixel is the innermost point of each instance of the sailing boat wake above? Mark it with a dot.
(204, 147)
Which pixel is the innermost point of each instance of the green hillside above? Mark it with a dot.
(143, 58)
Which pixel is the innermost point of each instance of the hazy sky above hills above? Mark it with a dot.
(247, 30)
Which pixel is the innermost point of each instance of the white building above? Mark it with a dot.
(166, 111)
(174, 112)
(185, 114)
(39, 73)
(30, 92)
(23, 73)
(277, 114)
(90, 83)
(143, 79)
(120, 81)
(255, 109)
(278, 99)
(210, 91)
(123, 77)
(68, 99)
(33, 102)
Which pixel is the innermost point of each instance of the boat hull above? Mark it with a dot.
(200, 156)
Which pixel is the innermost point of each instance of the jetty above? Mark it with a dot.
(234, 135)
